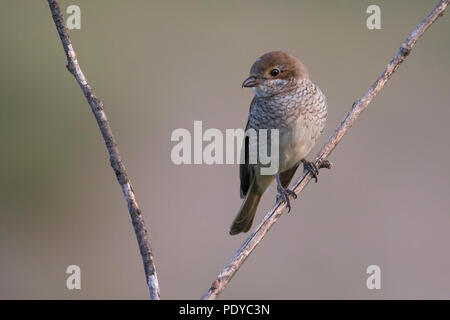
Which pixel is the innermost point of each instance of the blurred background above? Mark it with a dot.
(158, 66)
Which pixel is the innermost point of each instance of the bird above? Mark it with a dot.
(285, 99)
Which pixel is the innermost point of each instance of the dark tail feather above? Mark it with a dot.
(244, 219)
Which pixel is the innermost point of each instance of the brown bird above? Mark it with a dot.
(285, 99)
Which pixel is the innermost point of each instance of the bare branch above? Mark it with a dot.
(114, 155)
(271, 217)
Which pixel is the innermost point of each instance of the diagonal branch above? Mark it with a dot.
(114, 155)
(271, 217)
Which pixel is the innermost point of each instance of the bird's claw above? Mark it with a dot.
(283, 195)
(312, 168)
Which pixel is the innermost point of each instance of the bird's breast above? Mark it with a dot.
(300, 117)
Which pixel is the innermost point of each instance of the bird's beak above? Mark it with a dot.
(250, 82)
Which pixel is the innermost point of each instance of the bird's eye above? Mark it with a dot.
(274, 72)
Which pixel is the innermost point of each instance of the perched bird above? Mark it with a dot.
(285, 99)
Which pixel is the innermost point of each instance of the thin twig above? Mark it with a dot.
(114, 155)
(271, 217)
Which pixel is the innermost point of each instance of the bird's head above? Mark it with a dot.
(275, 72)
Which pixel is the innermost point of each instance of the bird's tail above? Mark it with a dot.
(244, 219)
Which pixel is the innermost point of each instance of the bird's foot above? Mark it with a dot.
(313, 168)
(283, 195)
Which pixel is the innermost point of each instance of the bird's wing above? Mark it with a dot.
(246, 170)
